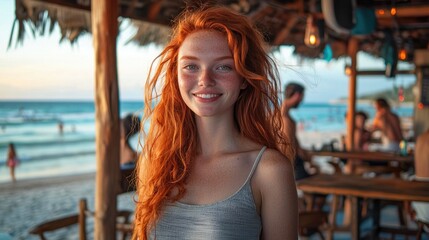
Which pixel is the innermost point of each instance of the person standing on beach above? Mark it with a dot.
(212, 165)
(293, 96)
(389, 124)
(12, 160)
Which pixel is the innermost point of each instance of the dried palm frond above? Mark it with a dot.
(36, 15)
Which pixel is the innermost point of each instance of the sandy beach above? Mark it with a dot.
(29, 202)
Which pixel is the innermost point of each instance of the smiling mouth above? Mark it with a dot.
(207, 95)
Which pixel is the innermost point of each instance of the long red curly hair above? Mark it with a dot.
(171, 141)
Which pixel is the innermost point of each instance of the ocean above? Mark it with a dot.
(43, 151)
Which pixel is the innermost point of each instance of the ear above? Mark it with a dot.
(295, 96)
(243, 84)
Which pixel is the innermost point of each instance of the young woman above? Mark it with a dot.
(212, 165)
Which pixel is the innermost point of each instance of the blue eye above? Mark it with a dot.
(191, 67)
(224, 68)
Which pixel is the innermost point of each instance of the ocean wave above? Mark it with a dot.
(49, 142)
(54, 156)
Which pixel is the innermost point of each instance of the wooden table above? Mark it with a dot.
(366, 155)
(357, 187)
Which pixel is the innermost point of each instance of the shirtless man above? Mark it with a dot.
(293, 95)
(389, 124)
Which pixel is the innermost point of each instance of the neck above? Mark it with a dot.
(217, 135)
(286, 106)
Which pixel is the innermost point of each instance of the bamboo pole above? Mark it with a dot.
(352, 51)
(104, 18)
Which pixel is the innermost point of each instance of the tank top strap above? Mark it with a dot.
(255, 164)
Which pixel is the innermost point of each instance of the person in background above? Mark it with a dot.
(12, 160)
(212, 165)
(130, 125)
(293, 96)
(60, 127)
(362, 136)
(389, 124)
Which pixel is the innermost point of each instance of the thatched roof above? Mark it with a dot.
(282, 21)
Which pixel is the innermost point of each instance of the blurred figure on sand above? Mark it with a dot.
(293, 96)
(12, 161)
(130, 125)
(389, 124)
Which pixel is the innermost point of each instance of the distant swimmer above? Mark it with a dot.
(60, 127)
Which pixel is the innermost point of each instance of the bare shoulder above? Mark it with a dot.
(276, 198)
(274, 165)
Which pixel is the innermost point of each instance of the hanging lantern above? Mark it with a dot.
(312, 37)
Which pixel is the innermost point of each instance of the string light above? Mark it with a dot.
(402, 54)
(348, 70)
(393, 11)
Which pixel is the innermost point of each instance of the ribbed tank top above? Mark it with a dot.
(235, 217)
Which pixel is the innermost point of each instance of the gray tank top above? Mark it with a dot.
(235, 217)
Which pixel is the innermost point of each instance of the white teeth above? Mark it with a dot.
(210, 95)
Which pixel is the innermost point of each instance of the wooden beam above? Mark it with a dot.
(284, 33)
(353, 48)
(104, 19)
(383, 72)
(404, 11)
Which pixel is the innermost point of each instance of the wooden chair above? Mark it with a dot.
(80, 219)
(420, 229)
(312, 222)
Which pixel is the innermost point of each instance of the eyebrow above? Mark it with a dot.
(195, 58)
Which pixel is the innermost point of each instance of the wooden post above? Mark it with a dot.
(83, 207)
(351, 108)
(104, 18)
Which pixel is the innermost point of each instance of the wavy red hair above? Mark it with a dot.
(171, 141)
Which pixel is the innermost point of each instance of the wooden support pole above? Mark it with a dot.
(104, 18)
(353, 48)
(83, 207)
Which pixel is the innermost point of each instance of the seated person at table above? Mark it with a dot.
(389, 124)
(421, 165)
(362, 137)
(130, 125)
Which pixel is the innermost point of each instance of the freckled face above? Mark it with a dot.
(208, 81)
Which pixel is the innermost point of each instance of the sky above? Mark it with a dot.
(43, 69)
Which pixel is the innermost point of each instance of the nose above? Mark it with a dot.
(205, 78)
